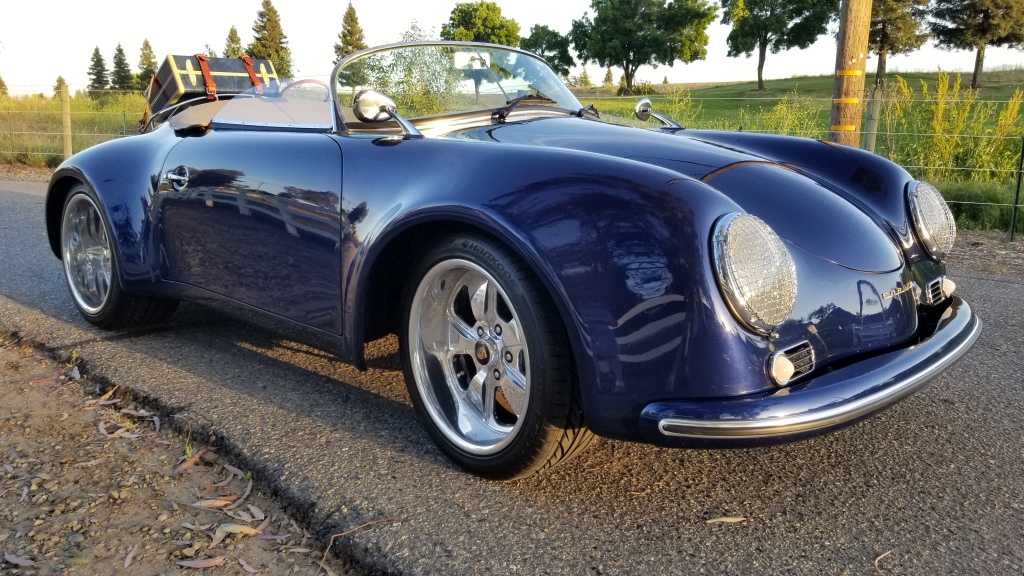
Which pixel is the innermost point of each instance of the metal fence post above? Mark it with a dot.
(1016, 197)
(124, 123)
(10, 135)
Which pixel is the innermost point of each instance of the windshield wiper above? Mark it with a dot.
(588, 109)
(511, 104)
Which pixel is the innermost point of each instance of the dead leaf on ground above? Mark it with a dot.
(212, 503)
(326, 569)
(245, 495)
(190, 462)
(263, 525)
(203, 563)
(247, 568)
(131, 554)
(108, 394)
(224, 529)
(18, 560)
(233, 470)
(726, 519)
(256, 512)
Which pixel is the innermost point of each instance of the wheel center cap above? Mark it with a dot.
(483, 352)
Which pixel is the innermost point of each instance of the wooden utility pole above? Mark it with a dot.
(851, 60)
(65, 114)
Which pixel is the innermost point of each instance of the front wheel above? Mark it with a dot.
(91, 270)
(488, 363)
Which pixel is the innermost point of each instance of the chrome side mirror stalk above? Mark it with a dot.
(644, 112)
(371, 107)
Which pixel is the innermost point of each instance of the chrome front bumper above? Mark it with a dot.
(827, 402)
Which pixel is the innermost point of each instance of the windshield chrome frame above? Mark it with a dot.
(339, 124)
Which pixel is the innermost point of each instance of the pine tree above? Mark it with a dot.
(121, 78)
(269, 42)
(608, 78)
(59, 87)
(351, 37)
(3, 87)
(97, 74)
(147, 65)
(585, 79)
(233, 48)
(665, 81)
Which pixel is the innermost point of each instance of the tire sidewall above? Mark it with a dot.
(543, 387)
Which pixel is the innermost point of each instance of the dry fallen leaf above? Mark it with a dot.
(75, 374)
(213, 503)
(224, 529)
(41, 380)
(18, 560)
(190, 462)
(128, 558)
(108, 394)
(256, 512)
(297, 550)
(263, 525)
(245, 495)
(156, 423)
(247, 568)
(326, 569)
(234, 470)
(203, 563)
(726, 519)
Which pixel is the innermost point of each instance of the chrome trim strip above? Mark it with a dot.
(738, 429)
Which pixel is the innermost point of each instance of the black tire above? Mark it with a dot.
(104, 303)
(538, 423)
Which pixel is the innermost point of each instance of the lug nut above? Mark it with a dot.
(497, 330)
(508, 356)
(480, 331)
(497, 374)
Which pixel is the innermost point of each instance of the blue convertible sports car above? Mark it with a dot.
(550, 275)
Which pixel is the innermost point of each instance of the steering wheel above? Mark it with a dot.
(307, 93)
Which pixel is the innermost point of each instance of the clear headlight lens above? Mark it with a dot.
(932, 219)
(755, 271)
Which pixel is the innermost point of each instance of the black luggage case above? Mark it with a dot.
(181, 78)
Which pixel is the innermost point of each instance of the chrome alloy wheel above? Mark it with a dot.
(469, 357)
(86, 252)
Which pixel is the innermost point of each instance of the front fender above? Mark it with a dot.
(124, 175)
(621, 246)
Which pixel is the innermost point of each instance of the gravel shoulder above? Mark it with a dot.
(93, 484)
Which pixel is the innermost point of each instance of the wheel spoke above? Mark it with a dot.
(461, 338)
(513, 386)
(478, 299)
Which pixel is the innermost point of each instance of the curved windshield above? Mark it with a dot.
(447, 78)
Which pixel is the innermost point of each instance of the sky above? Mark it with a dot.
(51, 38)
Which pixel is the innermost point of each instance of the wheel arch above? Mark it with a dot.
(60, 187)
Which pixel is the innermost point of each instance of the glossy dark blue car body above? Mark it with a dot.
(312, 231)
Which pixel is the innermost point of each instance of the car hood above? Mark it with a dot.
(799, 209)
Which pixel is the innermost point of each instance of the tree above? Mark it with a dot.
(633, 33)
(147, 65)
(209, 51)
(97, 73)
(895, 29)
(59, 87)
(775, 25)
(270, 43)
(121, 77)
(351, 37)
(480, 22)
(551, 46)
(585, 79)
(3, 87)
(608, 79)
(975, 24)
(665, 81)
(233, 45)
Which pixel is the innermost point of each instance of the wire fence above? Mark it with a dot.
(979, 174)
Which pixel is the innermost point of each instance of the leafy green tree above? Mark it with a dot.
(59, 87)
(97, 73)
(480, 22)
(233, 45)
(633, 33)
(665, 81)
(147, 65)
(209, 51)
(608, 79)
(895, 29)
(416, 34)
(121, 77)
(3, 87)
(585, 79)
(269, 42)
(551, 46)
(351, 37)
(976, 24)
(776, 25)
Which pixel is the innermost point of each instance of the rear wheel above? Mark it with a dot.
(91, 270)
(488, 363)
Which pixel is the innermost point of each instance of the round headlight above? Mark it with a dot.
(933, 221)
(755, 272)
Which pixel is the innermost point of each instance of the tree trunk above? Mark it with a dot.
(880, 72)
(762, 48)
(628, 73)
(979, 63)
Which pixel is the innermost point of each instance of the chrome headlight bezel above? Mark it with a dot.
(932, 219)
(761, 298)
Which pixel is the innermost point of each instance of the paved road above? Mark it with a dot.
(938, 480)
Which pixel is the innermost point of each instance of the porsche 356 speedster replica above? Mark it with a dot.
(550, 275)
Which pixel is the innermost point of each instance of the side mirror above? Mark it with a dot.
(643, 109)
(644, 112)
(371, 107)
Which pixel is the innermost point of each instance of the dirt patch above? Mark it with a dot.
(92, 485)
(989, 252)
(24, 173)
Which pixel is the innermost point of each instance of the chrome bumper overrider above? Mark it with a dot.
(826, 402)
